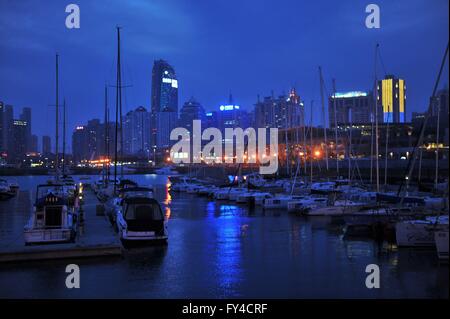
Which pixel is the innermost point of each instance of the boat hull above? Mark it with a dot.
(43, 236)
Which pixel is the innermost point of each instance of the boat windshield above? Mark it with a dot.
(146, 211)
(44, 190)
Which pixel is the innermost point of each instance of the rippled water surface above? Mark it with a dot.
(219, 250)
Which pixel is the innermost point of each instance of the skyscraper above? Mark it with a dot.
(355, 107)
(191, 110)
(8, 118)
(165, 121)
(17, 149)
(34, 143)
(164, 95)
(391, 94)
(46, 145)
(26, 116)
(282, 112)
(136, 132)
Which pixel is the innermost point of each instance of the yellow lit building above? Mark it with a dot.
(391, 95)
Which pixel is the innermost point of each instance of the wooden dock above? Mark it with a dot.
(95, 238)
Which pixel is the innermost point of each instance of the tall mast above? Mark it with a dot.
(118, 104)
(106, 165)
(386, 155)
(377, 169)
(311, 141)
(57, 122)
(350, 146)
(286, 139)
(324, 121)
(119, 70)
(64, 138)
(335, 128)
(436, 178)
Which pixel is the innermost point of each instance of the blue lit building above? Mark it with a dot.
(164, 97)
(232, 116)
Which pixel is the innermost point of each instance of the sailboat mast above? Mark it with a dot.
(436, 178)
(386, 155)
(422, 130)
(335, 128)
(377, 164)
(311, 141)
(106, 137)
(324, 121)
(350, 136)
(64, 138)
(119, 84)
(117, 108)
(57, 122)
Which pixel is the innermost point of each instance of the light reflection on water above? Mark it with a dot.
(218, 250)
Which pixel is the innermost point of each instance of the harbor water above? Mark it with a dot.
(219, 249)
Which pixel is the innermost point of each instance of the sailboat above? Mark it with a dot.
(55, 212)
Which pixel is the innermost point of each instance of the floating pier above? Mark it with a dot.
(95, 236)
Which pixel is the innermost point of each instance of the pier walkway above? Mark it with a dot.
(95, 237)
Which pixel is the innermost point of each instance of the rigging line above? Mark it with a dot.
(382, 62)
(412, 160)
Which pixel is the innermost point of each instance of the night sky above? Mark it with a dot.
(216, 47)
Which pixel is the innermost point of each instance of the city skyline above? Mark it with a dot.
(203, 71)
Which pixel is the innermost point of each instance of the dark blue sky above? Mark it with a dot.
(216, 46)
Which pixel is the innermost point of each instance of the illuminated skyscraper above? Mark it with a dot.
(391, 96)
(164, 94)
(282, 112)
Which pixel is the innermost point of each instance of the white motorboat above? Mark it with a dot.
(140, 218)
(52, 219)
(419, 232)
(441, 239)
(114, 204)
